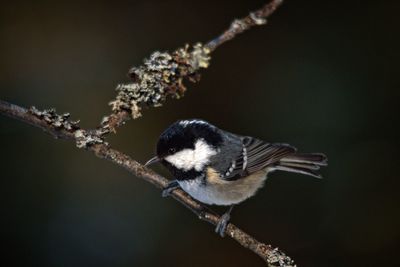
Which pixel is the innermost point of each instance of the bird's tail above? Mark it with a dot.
(304, 163)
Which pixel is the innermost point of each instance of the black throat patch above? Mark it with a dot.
(182, 175)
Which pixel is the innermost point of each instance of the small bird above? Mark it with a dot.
(217, 167)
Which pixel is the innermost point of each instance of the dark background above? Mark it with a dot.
(322, 75)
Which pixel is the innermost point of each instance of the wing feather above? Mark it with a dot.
(257, 155)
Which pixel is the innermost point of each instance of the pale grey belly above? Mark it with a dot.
(220, 192)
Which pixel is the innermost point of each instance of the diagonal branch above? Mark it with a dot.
(59, 127)
(164, 73)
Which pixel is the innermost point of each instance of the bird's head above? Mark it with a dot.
(187, 146)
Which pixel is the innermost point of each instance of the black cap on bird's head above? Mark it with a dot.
(185, 134)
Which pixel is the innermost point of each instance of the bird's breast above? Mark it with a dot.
(213, 190)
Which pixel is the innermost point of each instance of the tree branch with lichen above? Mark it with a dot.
(161, 76)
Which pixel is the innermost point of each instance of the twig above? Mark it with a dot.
(52, 125)
(258, 17)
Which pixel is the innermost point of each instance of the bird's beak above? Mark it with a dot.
(152, 161)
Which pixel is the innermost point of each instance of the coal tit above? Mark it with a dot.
(221, 168)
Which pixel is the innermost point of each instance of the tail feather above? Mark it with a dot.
(303, 163)
(311, 158)
(298, 170)
(300, 165)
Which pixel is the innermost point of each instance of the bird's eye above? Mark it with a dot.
(172, 150)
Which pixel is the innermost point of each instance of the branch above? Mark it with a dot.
(258, 17)
(59, 127)
(161, 76)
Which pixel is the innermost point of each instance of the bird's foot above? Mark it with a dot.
(171, 186)
(222, 224)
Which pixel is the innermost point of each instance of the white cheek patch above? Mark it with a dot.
(196, 158)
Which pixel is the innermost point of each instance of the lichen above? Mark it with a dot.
(160, 76)
(279, 259)
(57, 121)
(257, 19)
(85, 139)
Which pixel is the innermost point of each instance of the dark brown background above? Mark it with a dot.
(323, 75)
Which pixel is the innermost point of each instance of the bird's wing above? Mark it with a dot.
(256, 155)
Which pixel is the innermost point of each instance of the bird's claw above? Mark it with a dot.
(222, 224)
(172, 185)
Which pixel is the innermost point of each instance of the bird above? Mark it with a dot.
(220, 168)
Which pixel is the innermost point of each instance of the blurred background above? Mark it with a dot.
(322, 75)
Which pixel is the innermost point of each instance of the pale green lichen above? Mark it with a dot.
(57, 121)
(85, 139)
(160, 76)
(279, 259)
